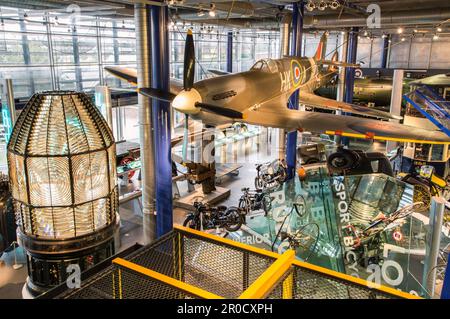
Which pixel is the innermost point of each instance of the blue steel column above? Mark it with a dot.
(296, 50)
(161, 119)
(352, 45)
(351, 58)
(384, 55)
(230, 51)
(445, 292)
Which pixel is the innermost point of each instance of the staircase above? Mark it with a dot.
(432, 106)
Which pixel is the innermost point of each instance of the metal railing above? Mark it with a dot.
(187, 264)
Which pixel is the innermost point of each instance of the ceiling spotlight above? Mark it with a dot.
(310, 6)
(415, 30)
(55, 20)
(400, 30)
(212, 10)
(403, 39)
(435, 37)
(439, 29)
(366, 33)
(334, 4)
(384, 36)
(322, 5)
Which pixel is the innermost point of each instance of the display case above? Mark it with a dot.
(323, 212)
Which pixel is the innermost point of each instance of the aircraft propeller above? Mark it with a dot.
(189, 100)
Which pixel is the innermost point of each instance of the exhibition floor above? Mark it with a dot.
(131, 212)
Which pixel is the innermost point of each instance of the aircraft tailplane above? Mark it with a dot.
(334, 59)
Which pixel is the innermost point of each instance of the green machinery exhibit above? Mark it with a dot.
(225, 149)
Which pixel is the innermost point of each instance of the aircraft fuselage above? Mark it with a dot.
(266, 82)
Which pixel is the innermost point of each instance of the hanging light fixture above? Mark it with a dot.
(322, 5)
(310, 6)
(334, 4)
(212, 10)
(61, 158)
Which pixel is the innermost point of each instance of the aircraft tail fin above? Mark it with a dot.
(321, 49)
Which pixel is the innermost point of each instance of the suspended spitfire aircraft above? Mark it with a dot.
(260, 97)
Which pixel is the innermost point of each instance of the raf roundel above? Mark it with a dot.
(296, 73)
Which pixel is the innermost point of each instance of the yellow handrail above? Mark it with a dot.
(358, 281)
(249, 293)
(262, 286)
(228, 242)
(179, 285)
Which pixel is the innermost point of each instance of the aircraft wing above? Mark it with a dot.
(342, 125)
(313, 100)
(130, 75)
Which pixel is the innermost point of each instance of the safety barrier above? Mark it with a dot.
(187, 264)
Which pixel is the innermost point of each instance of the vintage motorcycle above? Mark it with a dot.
(270, 174)
(253, 201)
(207, 217)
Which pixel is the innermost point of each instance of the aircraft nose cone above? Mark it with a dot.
(185, 101)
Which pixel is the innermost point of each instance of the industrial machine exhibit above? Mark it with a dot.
(225, 150)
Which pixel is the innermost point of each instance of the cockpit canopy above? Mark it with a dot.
(265, 65)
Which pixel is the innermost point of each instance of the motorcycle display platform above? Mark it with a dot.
(216, 196)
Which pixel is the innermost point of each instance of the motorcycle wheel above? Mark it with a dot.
(258, 183)
(191, 223)
(242, 203)
(267, 204)
(234, 219)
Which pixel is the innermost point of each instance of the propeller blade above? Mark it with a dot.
(185, 138)
(220, 110)
(157, 94)
(189, 62)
